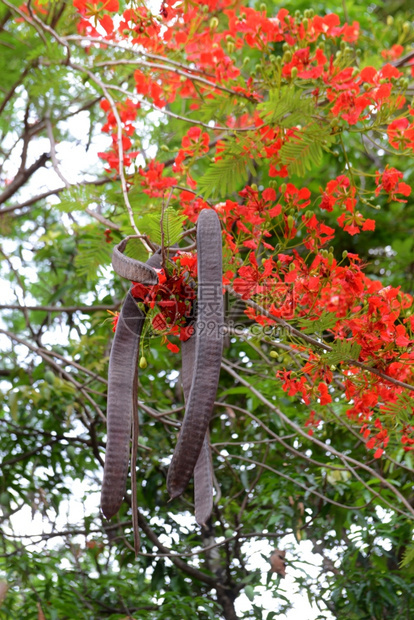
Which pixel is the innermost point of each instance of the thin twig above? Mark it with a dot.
(114, 109)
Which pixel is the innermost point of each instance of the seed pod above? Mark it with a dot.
(203, 471)
(121, 404)
(122, 399)
(132, 269)
(203, 484)
(208, 352)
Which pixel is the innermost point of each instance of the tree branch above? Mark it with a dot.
(23, 176)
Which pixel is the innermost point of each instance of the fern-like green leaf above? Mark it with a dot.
(327, 320)
(401, 410)
(216, 108)
(408, 557)
(78, 198)
(342, 351)
(226, 175)
(93, 254)
(172, 226)
(304, 150)
(286, 108)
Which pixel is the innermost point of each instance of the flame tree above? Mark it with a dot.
(296, 127)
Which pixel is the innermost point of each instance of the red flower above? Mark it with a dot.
(172, 347)
(389, 182)
(353, 222)
(393, 53)
(114, 320)
(401, 133)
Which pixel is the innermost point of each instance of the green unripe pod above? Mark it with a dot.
(143, 362)
(50, 377)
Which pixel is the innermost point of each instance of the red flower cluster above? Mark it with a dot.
(127, 112)
(275, 235)
(154, 183)
(194, 144)
(174, 298)
(389, 181)
(96, 9)
(401, 133)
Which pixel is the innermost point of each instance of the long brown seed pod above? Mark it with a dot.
(203, 471)
(122, 397)
(209, 347)
(121, 404)
(203, 484)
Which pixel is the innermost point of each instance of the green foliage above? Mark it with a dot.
(228, 173)
(166, 228)
(408, 558)
(93, 254)
(78, 198)
(216, 108)
(286, 107)
(304, 150)
(325, 321)
(342, 351)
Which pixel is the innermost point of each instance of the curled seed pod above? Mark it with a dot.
(132, 269)
(209, 347)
